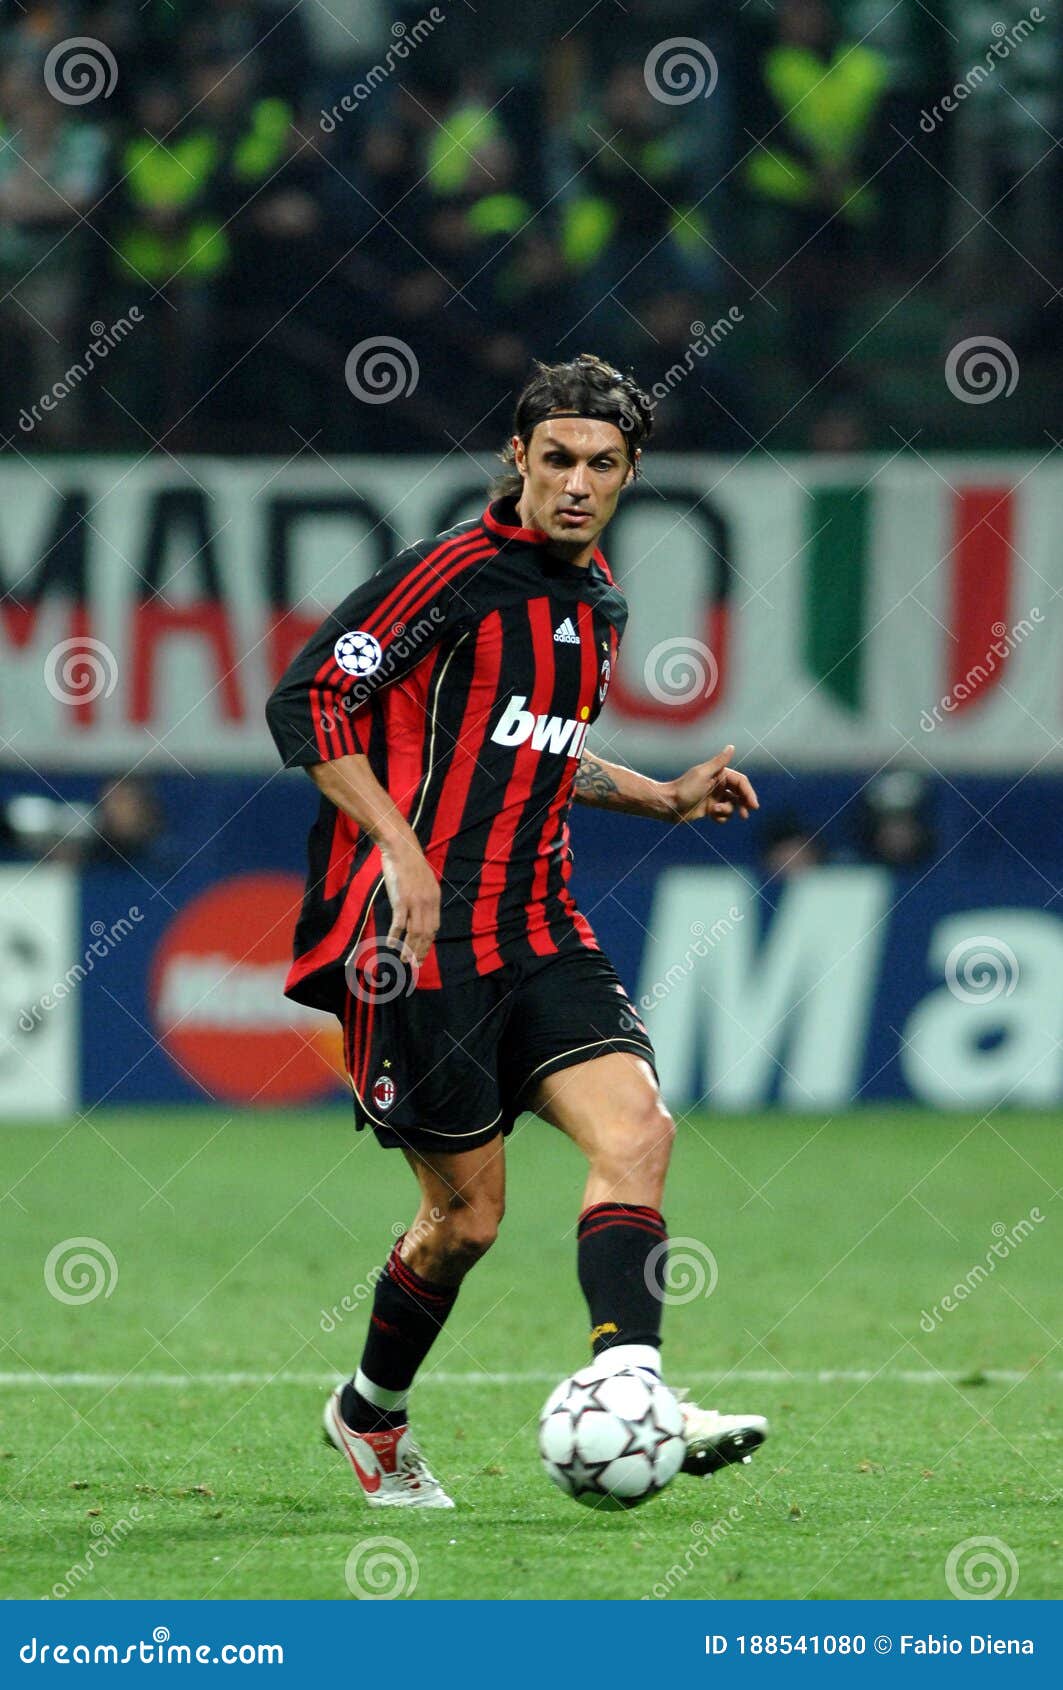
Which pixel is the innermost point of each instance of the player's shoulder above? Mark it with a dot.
(438, 560)
(605, 595)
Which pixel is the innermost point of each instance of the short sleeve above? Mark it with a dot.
(377, 635)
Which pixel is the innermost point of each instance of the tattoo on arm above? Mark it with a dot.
(593, 785)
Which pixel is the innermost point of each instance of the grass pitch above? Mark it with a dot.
(163, 1439)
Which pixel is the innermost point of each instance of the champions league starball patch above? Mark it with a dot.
(358, 653)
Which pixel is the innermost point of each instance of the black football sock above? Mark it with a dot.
(407, 1317)
(363, 1416)
(619, 1280)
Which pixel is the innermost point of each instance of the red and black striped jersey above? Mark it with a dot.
(467, 670)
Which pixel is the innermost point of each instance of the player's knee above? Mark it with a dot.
(644, 1140)
(654, 1132)
(466, 1235)
(455, 1246)
(465, 1239)
(476, 1216)
(476, 1232)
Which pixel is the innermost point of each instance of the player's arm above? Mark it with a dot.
(413, 890)
(319, 717)
(711, 790)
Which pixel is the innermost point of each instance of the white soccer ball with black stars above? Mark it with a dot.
(611, 1440)
(358, 653)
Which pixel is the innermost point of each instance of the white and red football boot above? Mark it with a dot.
(388, 1465)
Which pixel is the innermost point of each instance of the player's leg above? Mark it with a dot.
(612, 1109)
(462, 1200)
(422, 1089)
(578, 1054)
(575, 1051)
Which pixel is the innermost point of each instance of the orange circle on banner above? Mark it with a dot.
(217, 996)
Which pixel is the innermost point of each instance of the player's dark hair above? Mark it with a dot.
(586, 387)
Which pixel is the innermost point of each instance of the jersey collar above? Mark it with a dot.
(500, 519)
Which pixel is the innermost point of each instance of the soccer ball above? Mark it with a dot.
(611, 1440)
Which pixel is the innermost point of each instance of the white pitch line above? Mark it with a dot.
(321, 1381)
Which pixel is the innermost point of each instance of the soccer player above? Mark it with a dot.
(442, 710)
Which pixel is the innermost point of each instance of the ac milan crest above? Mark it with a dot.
(384, 1091)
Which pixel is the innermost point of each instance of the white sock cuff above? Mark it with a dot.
(376, 1394)
(620, 1356)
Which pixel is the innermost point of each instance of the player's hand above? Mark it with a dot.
(713, 790)
(413, 891)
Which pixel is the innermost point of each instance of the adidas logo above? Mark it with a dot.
(566, 634)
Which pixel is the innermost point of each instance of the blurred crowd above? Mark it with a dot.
(206, 206)
(120, 822)
(891, 824)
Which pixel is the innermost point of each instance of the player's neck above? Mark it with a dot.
(579, 553)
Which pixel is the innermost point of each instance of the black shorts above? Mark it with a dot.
(451, 1068)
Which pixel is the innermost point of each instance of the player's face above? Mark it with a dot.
(573, 470)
